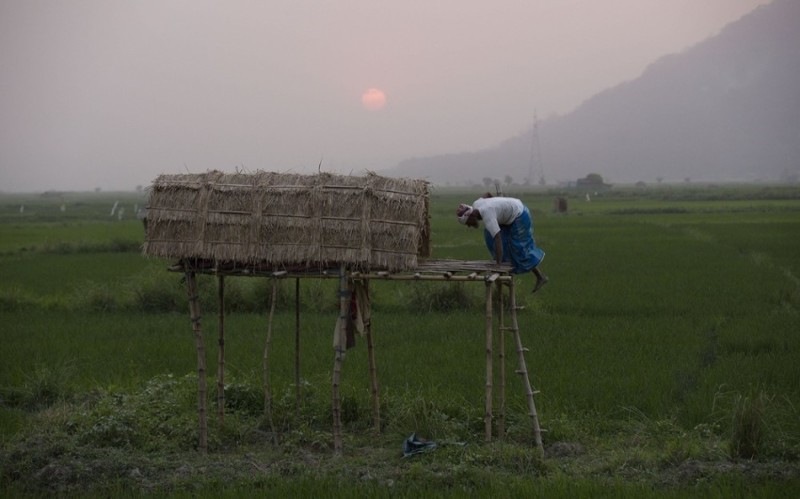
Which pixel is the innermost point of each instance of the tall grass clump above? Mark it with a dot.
(41, 386)
(757, 425)
(748, 425)
(97, 297)
(435, 417)
(14, 299)
(161, 292)
(436, 297)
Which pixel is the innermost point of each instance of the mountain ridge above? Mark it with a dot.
(725, 109)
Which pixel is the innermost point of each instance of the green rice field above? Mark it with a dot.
(665, 349)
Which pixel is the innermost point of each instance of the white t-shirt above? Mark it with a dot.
(498, 211)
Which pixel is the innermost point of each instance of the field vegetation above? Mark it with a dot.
(665, 348)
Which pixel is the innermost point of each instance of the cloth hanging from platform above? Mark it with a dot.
(356, 321)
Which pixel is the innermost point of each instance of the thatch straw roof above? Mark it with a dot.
(289, 220)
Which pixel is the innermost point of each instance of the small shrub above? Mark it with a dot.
(245, 398)
(160, 416)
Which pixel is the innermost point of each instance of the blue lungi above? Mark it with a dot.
(519, 247)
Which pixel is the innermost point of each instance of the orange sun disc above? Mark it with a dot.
(373, 99)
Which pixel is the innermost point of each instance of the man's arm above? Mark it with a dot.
(498, 248)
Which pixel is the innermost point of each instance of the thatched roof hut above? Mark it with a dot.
(285, 220)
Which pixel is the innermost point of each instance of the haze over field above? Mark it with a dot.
(110, 93)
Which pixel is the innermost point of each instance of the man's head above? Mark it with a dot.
(468, 215)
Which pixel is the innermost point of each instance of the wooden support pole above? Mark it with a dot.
(221, 353)
(501, 357)
(297, 389)
(366, 314)
(339, 340)
(523, 370)
(265, 364)
(194, 311)
(487, 418)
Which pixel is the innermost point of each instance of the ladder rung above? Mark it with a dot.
(507, 328)
(519, 307)
(521, 371)
(525, 349)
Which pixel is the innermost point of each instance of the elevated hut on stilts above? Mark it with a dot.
(289, 226)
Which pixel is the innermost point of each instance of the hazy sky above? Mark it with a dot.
(111, 93)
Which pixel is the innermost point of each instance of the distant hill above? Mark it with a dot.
(727, 109)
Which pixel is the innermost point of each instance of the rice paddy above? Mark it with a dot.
(665, 349)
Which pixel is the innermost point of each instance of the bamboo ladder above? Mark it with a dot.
(522, 368)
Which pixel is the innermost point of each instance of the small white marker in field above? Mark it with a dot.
(22, 208)
(114, 209)
(120, 213)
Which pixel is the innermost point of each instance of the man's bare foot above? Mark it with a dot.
(540, 282)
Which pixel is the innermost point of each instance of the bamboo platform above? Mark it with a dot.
(426, 269)
(496, 277)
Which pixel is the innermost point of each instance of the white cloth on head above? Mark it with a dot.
(463, 213)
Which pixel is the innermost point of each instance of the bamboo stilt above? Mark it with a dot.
(265, 365)
(487, 418)
(366, 314)
(501, 357)
(297, 389)
(523, 370)
(194, 311)
(221, 353)
(339, 346)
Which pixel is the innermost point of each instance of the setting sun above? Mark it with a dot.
(373, 99)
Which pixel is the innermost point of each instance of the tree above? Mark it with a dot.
(594, 178)
(509, 180)
(487, 181)
(592, 181)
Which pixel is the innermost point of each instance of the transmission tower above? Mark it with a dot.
(535, 165)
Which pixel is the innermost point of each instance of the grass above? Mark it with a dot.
(664, 347)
